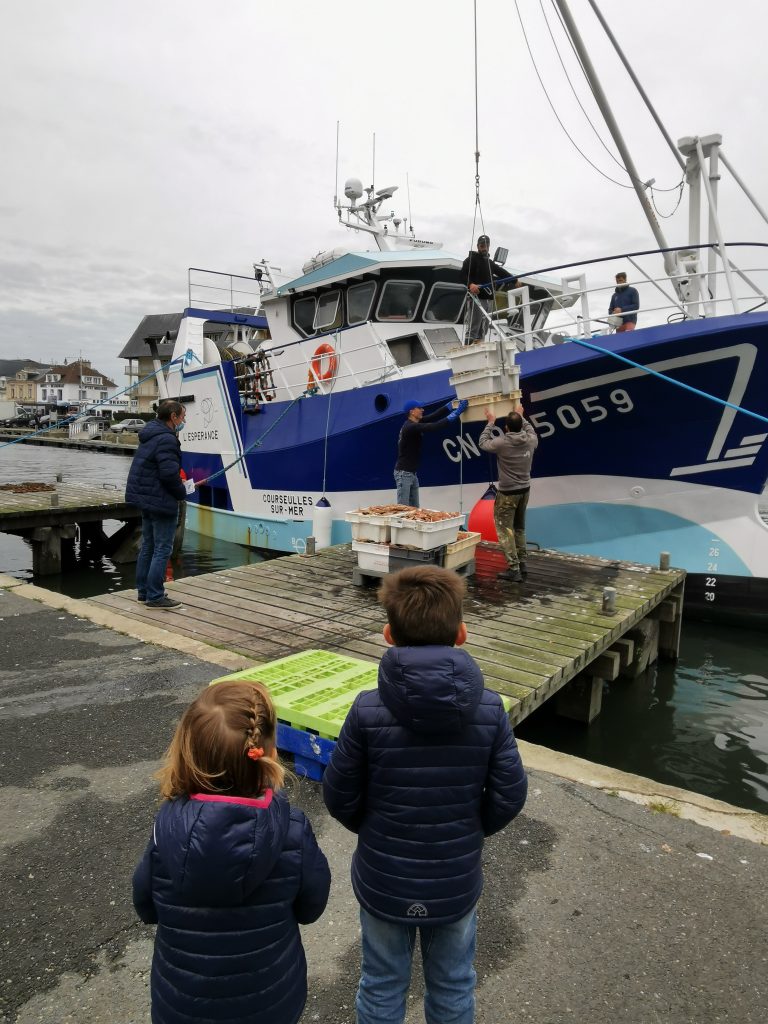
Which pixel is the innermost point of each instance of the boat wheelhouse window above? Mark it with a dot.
(304, 314)
(359, 301)
(445, 303)
(328, 313)
(399, 300)
(407, 350)
(442, 340)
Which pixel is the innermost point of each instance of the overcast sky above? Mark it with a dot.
(141, 137)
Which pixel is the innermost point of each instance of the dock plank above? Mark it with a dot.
(529, 639)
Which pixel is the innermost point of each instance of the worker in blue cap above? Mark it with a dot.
(409, 445)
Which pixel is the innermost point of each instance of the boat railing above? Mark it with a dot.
(575, 309)
(216, 290)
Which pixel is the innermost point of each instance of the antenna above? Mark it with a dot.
(336, 186)
(373, 165)
(408, 186)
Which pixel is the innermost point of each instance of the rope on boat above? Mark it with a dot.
(256, 444)
(669, 380)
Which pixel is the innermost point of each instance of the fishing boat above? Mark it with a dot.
(651, 440)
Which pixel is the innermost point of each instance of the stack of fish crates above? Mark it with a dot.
(388, 538)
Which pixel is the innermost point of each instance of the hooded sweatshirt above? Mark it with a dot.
(425, 767)
(514, 455)
(228, 880)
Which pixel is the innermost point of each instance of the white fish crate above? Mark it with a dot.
(425, 536)
(461, 551)
(473, 358)
(478, 382)
(371, 557)
(373, 528)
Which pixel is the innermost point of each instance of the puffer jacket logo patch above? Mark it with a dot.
(417, 910)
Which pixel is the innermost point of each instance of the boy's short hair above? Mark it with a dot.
(423, 605)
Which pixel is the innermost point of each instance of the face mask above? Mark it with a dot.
(180, 426)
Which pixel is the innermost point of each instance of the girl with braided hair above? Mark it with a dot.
(231, 870)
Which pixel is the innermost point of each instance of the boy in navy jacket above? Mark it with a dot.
(425, 767)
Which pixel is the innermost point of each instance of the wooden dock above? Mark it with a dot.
(546, 636)
(50, 519)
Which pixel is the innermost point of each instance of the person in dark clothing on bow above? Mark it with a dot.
(481, 274)
(625, 303)
(409, 445)
(425, 767)
(155, 486)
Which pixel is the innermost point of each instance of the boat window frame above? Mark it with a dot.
(337, 316)
(296, 300)
(399, 319)
(450, 286)
(353, 287)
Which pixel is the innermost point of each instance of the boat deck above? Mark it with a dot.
(529, 639)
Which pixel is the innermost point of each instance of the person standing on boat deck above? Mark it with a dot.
(155, 486)
(514, 453)
(409, 445)
(480, 273)
(625, 303)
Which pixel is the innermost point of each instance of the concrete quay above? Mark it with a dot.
(597, 907)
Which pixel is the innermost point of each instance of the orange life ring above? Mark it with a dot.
(317, 362)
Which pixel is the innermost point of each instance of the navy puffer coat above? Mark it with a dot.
(228, 882)
(154, 484)
(425, 767)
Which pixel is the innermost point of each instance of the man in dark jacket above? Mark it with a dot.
(409, 445)
(155, 486)
(625, 303)
(425, 767)
(514, 450)
(481, 273)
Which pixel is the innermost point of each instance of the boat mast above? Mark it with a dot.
(670, 262)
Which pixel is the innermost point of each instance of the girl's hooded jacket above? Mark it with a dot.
(425, 767)
(228, 880)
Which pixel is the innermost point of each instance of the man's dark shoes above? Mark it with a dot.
(510, 576)
(141, 598)
(524, 570)
(164, 602)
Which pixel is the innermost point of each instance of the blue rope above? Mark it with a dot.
(256, 444)
(106, 401)
(670, 380)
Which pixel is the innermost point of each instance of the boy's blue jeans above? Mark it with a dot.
(447, 953)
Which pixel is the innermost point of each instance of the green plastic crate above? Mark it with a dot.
(312, 690)
(315, 689)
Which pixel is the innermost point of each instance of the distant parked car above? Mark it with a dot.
(23, 419)
(128, 425)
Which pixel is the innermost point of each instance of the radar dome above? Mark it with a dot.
(353, 188)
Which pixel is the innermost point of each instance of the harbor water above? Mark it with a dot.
(701, 724)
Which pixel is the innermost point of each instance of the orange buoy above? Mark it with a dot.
(328, 353)
(481, 516)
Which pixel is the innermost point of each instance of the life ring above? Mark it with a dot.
(324, 350)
